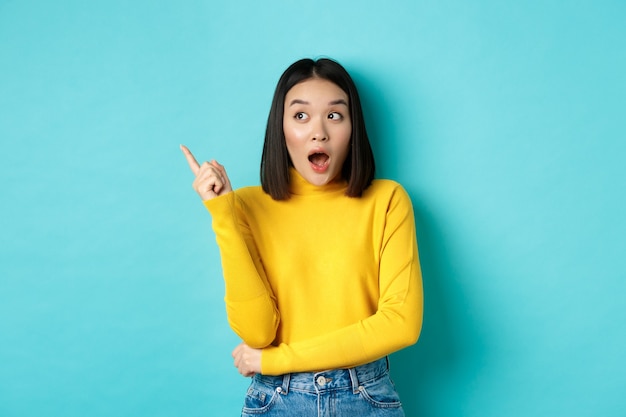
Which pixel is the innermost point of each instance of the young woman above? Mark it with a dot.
(320, 262)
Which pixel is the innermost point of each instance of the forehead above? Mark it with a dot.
(316, 90)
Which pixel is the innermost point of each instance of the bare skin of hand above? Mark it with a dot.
(211, 179)
(247, 360)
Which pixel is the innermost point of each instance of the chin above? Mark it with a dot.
(322, 179)
(316, 180)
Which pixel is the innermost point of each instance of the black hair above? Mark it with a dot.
(358, 168)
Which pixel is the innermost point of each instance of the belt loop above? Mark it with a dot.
(354, 379)
(285, 386)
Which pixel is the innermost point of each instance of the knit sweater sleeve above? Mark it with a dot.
(397, 321)
(250, 303)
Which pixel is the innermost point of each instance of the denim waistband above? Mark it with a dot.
(327, 380)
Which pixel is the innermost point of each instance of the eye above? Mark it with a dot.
(301, 116)
(335, 116)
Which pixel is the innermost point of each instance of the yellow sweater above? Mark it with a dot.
(322, 280)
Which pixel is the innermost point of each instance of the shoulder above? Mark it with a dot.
(249, 192)
(385, 184)
(252, 196)
(384, 187)
(389, 195)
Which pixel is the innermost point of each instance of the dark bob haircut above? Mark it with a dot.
(358, 169)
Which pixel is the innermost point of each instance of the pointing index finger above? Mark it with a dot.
(191, 160)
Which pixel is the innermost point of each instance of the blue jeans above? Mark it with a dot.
(363, 391)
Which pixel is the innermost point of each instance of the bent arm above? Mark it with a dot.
(396, 323)
(250, 303)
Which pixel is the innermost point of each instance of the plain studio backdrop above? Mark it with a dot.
(503, 120)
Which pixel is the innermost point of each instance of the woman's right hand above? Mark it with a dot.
(211, 179)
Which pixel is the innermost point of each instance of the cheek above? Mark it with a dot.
(294, 135)
(345, 136)
(292, 142)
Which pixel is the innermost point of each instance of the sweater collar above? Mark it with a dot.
(300, 186)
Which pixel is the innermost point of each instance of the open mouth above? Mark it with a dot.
(319, 159)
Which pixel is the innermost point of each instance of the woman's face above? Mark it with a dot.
(317, 129)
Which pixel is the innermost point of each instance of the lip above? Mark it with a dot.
(320, 169)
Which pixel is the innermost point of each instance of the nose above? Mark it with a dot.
(319, 132)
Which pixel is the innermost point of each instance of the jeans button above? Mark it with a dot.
(321, 380)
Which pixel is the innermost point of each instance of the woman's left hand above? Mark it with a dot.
(247, 360)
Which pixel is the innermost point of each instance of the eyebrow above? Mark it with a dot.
(332, 103)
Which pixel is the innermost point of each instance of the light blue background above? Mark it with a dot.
(503, 120)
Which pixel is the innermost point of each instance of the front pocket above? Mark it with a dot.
(260, 398)
(381, 393)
